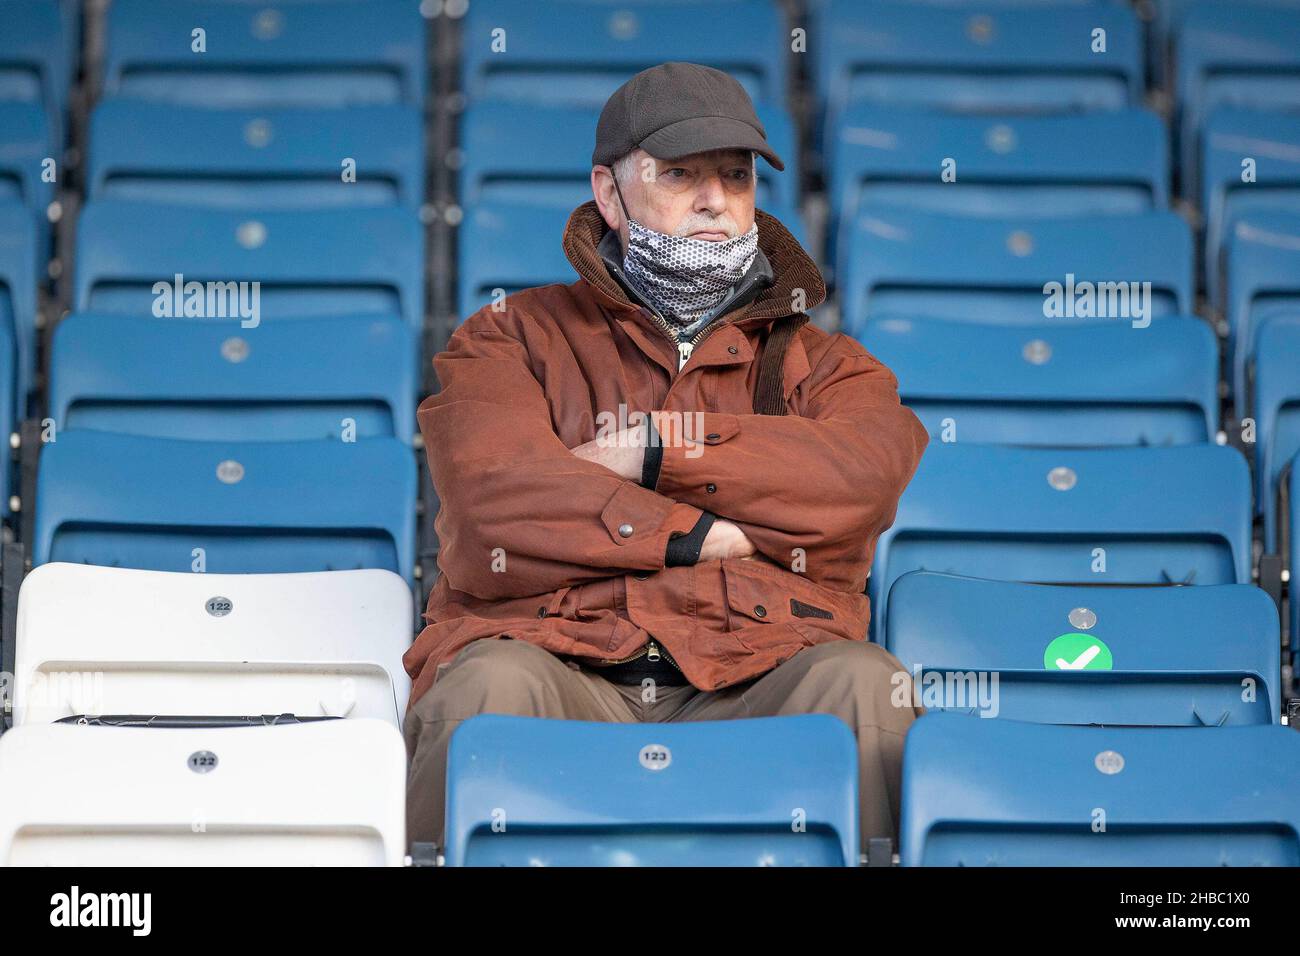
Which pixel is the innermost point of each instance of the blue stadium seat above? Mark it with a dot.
(1261, 284)
(996, 270)
(509, 246)
(285, 381)
(265, 159)
(1006, 793)
(583, 50)
(1290, 548)
(1035, 166)
(24, 143)
(1073, 384)
(1175, 656)
(1276, 409)
(19, 265)
(555, 169)
(1231, 136)
(309, 263)
(1233, 55)
(35, 61)
(977, 60)
(253, 507)
(1177, 515)
(343, 53)
(709, 793)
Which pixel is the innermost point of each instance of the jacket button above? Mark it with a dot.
(712, 436)
(760, 611)
(541, 612)
(625, 530)
(732, 349)
(710, 487)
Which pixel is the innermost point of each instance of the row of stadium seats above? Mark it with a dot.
(284, 646)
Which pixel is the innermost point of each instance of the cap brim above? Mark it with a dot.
(699, 134)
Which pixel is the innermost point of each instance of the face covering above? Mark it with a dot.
(684, 278)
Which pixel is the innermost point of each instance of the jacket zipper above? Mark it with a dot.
(651, 650)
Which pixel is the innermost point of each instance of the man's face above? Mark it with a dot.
(708, 196)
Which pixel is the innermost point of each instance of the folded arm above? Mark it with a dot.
(520, 513)
(811, 491)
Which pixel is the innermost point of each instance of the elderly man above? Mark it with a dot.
(661, 488)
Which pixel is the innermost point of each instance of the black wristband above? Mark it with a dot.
(685, 549)
(654, 456)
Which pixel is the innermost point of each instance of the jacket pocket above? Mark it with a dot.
(759, 594)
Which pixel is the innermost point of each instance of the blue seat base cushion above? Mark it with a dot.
(1066, 558)
(235, 89)
(1067, 425)
(1011, 92)
(288, 192)
(223, 421)
(233, 551)
(279, 300)
(968, 198)
(1055, 845)
(1023, 306)
(1114, 698)
(653, 846)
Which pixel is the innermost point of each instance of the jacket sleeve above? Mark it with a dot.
(521, 514)
(826, 482)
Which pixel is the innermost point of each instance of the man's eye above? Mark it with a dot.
(676, 173)
(740, 175)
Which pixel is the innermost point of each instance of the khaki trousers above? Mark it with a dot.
(852, 680)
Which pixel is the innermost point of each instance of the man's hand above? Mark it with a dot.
(726, 540)
(622, 453)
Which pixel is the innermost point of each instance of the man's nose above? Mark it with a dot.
(711, 197)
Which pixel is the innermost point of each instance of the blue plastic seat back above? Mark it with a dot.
(35, 59)
(555, 169)
(342, 53)
(1233, 55)
(1235, 142)
(244, 507)
(1006, 793)
(1262, 256)
(583, 50)
(25, 143)
(1292, 544)
(316, 378)
(308, 263)
(1276, 410)
(1021, 270)
(1175, 656)
(977, 59)
(709, 793)
(505, 247)
(264, 159)
(1071, 384)
(1003, 165)
(1178, 515)
(19, 265)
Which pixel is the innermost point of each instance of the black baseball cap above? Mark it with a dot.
(676, 109)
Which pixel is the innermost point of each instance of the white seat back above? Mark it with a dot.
(96, 640)
(328, 793)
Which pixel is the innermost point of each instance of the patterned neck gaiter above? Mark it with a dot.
(685, 278)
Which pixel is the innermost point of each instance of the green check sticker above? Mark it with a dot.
(1077, 652)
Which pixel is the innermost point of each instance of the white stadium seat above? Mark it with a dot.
(328, 793)
(101, 641)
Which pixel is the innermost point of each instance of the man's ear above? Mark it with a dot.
(602, 187)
